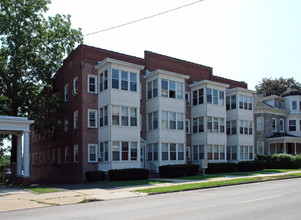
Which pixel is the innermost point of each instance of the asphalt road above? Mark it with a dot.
(268, 200)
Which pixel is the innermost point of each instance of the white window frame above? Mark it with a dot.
(66, 92)
(67, 154)
(59, 155)
(281, 121)
(260, 143)
(88, 83)
(274, 124)
(96, 153)
(187, 125)
(75, 86)
(75, 152)
(258, 121)
(96, 119)
(75, 120)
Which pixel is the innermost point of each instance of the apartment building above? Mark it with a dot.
(278, 123)
(130, 112)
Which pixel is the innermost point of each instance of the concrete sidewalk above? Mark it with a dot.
(13, 198)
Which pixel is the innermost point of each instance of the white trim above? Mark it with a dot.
(75, 125)
(88, 84)
(123, 63)
(168, 73)
(75, 90)
(74, 151)
(96, 153)
(96, 119)
(208, 82)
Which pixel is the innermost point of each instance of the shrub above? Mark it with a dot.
(128, 174)
(179, 170)
(245, 166)
(221, 167)
(93, 176)
(281, 161)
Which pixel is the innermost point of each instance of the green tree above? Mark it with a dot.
(32, 49)
(275, 86)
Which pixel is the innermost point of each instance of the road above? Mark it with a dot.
(267, 200)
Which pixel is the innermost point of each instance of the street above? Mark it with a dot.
(267, 200)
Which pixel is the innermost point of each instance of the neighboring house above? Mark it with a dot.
(129, 112)
(278, 123)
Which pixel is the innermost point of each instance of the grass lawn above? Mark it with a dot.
(133, 182)
(41, 189)
(202, 185)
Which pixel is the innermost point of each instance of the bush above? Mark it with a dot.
(93, 176)
(221, 167)
(281, 161)
(170, 171)
(128, 174)
(245, 166)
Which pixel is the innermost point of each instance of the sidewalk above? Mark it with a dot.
(13, 198)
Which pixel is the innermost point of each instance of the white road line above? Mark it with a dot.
(255, 200)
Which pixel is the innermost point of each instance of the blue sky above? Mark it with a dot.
(245, 40)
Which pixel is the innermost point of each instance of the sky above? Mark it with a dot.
(244, 40)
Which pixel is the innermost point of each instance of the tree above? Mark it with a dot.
(32, 49)
(275, 86)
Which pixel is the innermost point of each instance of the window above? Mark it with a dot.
(172, 89)
(164, 151)
(233, 127)
(115, 115)
(180, 151)
(222, 125)
(155, 88)
(281, 122)
(245, 102)
(180, 121)
(155, 120)
(188, 153)
(66, 122)
(92, 86)
(75, 125)
(92, 115)
(231, 152)
(134, 150)
(292, 125)
(195, 97)
(66, 89)
(246, 152)
(221, 152)
(260, 147)
(103, 152)
(215, 125)
(215, 97)
(221, 98)
(215, 153)
(294, 105)
(198, 152)
(59, 155)
(187, 99)
(259, 124)
(201, 124)
(115, 151)
(209, 96)
(103, 81)
(125, 150)
(149, 90)
(155, 148)
(124, 80)
(233, 102)
(164, 87)
(250, 127)
(150, 121)
(92, 148)
(187, 126)
(180, 90)
(250, 102)
(241, 101)
(124, 116)
(209, 124)
(274, 125)
(103, 116)
(66, 154)
(209, 152)
(173, 152)
(115, 79)
(201, 96)
(133, 82)
(164, 120)
(172, 120)
(75, 153)
(133, 114)
(228, 103)
(75, 85)
(195, 125)
(149, 152)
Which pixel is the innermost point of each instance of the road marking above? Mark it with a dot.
(255, 200)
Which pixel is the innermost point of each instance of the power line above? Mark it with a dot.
(145, 18)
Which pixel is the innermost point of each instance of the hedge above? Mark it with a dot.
(93, 176)
(221, 168)
(128, 174)
(281, 161)
(179, 170)
(245, 166)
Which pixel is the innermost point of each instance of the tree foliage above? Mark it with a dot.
(32, 49)
(275, 86)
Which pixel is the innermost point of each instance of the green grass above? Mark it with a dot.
(41, 189)
(133, 182)
(201, 177)
(202, 185)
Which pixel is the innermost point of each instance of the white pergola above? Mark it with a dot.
(18, 126)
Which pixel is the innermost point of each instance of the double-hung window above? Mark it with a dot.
(172, 89)
(180, 90)
(92, 86)
(115, 79)
(292, 125)
(209, 96)
(75, 154)
(164, 151)
(124, 80)
(124, 116)
(221, 98)
(92, 116)
(180, 121)
(103, 116)
(133, 114)
(281, 121)
(164, 88)
(75, 85)
(92, 152)
(103, 80)
(75, 123)
(172, 120)
(164, 120)
(115, 115)
(134, 150)
(133, 82)
(66, 90)
(274, 125)
(215, 97)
